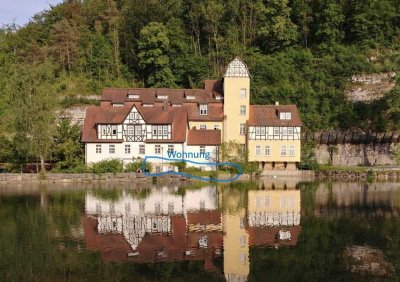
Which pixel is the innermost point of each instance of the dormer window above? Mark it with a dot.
(285, 115)
(133, 96)
(203, 109)
(163, 97)
(117, 105)
(147, 105)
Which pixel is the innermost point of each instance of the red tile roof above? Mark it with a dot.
(268, 115)
(215, 112)
(269, 236)
(204, 137)
(205, 217)
(152, 115)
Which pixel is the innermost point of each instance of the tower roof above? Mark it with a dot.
(237, 68)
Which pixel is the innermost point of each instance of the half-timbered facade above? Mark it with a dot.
(132, 123)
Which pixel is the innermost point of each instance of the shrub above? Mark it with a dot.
(132, 167)
(113, 166)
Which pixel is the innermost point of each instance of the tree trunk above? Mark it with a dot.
(42, 164)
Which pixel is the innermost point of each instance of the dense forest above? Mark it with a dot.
(298, 51)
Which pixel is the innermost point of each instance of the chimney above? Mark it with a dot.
(165, 108)
(276, 103)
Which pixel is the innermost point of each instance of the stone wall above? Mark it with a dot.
(351, 154)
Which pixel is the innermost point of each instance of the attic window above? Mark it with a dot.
(285, 115)
(176, 105)
(117, 104)
(164, 97)
(133, 96)
(203, 109)
(147, 105)
(190, 97)
(218, 97)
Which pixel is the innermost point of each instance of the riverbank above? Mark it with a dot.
(350, 173)
(94, 177)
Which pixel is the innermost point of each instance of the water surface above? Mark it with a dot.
(244, 231)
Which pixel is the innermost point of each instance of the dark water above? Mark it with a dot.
(260, 231)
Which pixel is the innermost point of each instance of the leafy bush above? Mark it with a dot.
(113, 166)
(133, 167)
(308, 161)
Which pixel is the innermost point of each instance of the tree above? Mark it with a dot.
(153, 56)
(32, 104)
(67, 150)
(276, 29)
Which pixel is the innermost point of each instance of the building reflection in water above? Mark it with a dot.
(202, 225)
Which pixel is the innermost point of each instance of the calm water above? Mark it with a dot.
(260, 231)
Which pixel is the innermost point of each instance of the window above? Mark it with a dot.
(258, 150)
(258, 130)
(285, 115)
(242, 241)
(157, 149)
(242, 129)
(133, 96)
(127, 149)
(267, 201)
(276, 130)
(159, 130)
(111, 149)
(98, 149)
(147, 105)
(170, 148)
(290, 131)
(162, 97)
(203, 110)
(165, 130)
(189, 97)
(202, 149)
(131, 130)
(117, 105)
(203, 126)
(242, 110)
(114, 130)
(262, 130)
(103, 130)
(154, 129)
(138, 130)
(267, 150)
(243, 93)
(142, 149)
(216, 126)
(291, 151)
(283, 151)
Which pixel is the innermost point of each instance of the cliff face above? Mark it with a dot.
(370, 87)
(356, 154)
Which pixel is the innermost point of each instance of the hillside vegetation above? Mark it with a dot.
(299, 51)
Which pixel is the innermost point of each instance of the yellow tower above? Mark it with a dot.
(236, 101)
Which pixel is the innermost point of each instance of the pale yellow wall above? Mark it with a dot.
(232, 103)
(275, 155)
(278, 201)
(233, 249)
(209, 124)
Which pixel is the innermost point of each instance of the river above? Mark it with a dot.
(267, 230)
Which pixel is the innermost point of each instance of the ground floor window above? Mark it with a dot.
(98, 149)
(267, 150)
(258, 150)
(202, 149)
(170, 148)
(157, 149)
(283, 151)
(127, 149)
(142, 149)
(291, 151)
(111, 149)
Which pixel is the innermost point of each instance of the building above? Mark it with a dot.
(132, 123)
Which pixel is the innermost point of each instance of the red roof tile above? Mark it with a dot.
(268, 115)
(204, 137)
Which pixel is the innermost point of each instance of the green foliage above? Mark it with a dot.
(232, 151)
(133, 167)
(107, 166)
(67, 150)
(308, 160)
